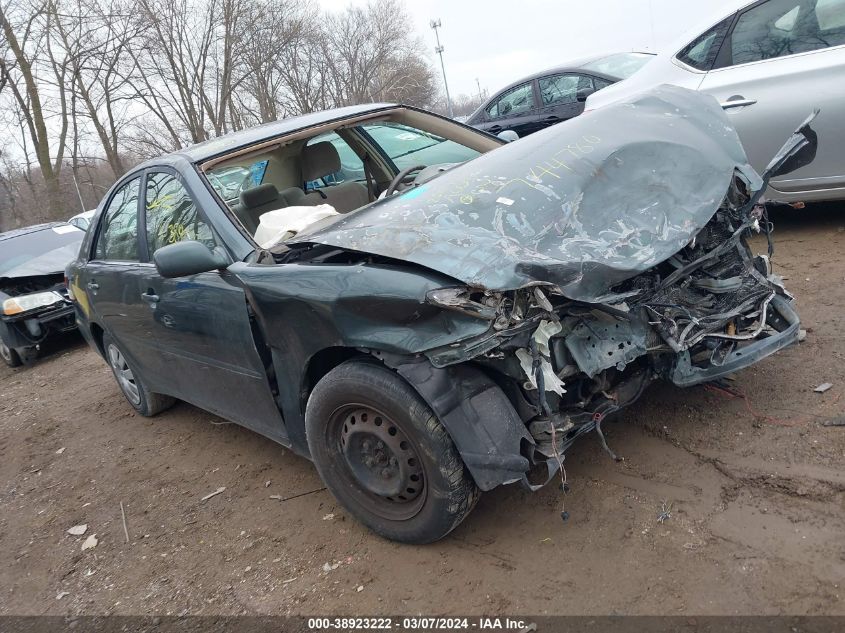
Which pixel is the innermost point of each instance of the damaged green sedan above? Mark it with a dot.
(424, 311)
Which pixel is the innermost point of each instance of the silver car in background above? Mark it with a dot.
(769, 63)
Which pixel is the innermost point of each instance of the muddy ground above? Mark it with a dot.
(755, 488)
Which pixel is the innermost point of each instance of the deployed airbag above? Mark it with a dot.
(282, 224)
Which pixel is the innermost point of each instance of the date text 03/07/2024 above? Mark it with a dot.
(419, 623)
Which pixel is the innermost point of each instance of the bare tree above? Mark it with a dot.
(34, 73)
(130, 79)
(96, 37)
(373, 56)
(280, 38)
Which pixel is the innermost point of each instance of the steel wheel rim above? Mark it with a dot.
(125, 377)
(5, 352)
(377, 459)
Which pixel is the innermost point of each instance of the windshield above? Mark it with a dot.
(621, 65)
(18, 251)
(407, 146)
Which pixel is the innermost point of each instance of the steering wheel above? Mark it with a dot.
(391, 188)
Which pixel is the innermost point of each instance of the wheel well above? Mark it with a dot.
(322, 363)
(97, 335)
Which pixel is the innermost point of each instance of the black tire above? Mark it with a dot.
(9, 355)
(131, 386)
(409, 483)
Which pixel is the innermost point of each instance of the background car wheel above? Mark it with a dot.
(9, 355)
(144, 402)
(385, 456)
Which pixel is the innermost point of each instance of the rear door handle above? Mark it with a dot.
(737, 103)
(552, 118)
(149, 297)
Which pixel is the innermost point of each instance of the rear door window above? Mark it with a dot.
(118, 235)
(230, 181)
(516, 101)
(171, 214)
(351, 165)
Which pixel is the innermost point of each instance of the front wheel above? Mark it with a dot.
(143, 401)
(385, 456)
(9, 355)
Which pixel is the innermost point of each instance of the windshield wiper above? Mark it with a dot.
(416, 150)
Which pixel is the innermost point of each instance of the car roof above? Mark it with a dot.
(228, 142)
(573, 66)
(32, 229)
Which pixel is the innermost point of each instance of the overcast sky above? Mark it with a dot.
(498, 41)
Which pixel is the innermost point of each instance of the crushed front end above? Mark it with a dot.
(711, 309)
(604, 254)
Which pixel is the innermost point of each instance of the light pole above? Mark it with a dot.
(78, 192)
(435, 24)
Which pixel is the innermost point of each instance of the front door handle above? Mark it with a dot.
(149, 297)
(93, 285)
(737, 103)
(495, 129)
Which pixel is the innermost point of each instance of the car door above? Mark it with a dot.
(781, 60)
(562, 96)
(515, 109)
(109, 277)
(200, 336)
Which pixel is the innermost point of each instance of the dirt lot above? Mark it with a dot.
(755, 489)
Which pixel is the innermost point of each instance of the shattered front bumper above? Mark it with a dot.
(684, 374)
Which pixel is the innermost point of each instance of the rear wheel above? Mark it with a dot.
(143, 401)
(9, 355)
(385, 456)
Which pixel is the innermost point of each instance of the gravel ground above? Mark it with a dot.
(754, 486)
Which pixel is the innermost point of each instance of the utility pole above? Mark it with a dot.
(435, 24)
(478, 83)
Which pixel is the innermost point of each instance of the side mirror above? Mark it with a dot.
(188, 258)
(583, 94)
(508, 136)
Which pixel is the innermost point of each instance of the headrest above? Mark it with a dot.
(292, 196)
(258, 196)
(318, 160)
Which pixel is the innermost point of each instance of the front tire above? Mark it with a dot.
(385, 456)
(142, 400)
(9, 355)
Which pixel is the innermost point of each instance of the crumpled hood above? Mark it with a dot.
(582, 205)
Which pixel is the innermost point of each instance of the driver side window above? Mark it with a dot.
(171, 214)
(516, 101)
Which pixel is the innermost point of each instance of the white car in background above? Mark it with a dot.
(82, 220)
(770, 63)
